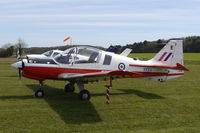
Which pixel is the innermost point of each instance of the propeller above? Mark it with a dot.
(20, 64)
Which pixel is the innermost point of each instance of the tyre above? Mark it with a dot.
(39, 93)
(84, 95)
(69, 88)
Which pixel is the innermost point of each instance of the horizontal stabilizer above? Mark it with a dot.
(126, 52)
(178, 66)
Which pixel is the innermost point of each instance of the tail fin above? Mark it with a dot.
(171, 53)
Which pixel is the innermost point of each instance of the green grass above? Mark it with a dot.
(137, 106)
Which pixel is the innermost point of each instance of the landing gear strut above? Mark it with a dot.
(39, 93)
(84, 94)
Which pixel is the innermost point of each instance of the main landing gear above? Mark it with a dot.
(69, 87)
(83, 95)
(39, 93)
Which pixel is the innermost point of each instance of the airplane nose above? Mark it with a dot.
(17, 64)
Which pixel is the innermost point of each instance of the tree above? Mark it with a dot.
(10, 51)
(20, 46)
(7, 45)
(7, 52)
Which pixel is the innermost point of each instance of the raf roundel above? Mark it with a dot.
(121, 66)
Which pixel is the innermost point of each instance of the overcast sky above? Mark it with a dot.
(96, 22)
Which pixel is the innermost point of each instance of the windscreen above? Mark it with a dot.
(48, 53)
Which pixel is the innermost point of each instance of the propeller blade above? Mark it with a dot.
(20, 74)
(21, 69)
(22, 64)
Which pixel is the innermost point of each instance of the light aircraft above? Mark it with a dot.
(82, 65)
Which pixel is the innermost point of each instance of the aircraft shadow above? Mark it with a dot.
(68, 106)
(145, 95)
(16, 97)
(70, 109)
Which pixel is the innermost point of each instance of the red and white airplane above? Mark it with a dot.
(81, 65)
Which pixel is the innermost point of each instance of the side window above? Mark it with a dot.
(54, 54)
(86, 56)
(107, 60)
(93, 57)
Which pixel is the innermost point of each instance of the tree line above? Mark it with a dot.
(9, 49)
(191, 44)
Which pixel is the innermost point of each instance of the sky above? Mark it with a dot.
(43, 23)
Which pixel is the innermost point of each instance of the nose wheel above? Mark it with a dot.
(39, 93)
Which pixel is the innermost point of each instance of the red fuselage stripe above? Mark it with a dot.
(52, 72)
(164, 66)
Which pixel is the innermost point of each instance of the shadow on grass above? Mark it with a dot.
(13, 75)
(142, 94)
(70, 109)
(16, 97)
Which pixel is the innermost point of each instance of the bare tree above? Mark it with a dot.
(21, 44)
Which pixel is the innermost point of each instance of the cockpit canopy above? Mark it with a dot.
(52, 53)
(48, 53)
(79, 55)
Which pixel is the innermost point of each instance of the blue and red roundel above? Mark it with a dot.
(121, 66)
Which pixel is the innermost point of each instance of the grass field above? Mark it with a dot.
(137, 106)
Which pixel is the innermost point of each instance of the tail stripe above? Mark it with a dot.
(162, 56)
(168, 56)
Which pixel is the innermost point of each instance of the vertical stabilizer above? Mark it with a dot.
(171, 53)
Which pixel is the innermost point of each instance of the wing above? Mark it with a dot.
(104, 75)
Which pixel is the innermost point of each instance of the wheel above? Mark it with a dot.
(84, 95)
(39, 93)
(69, 88)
